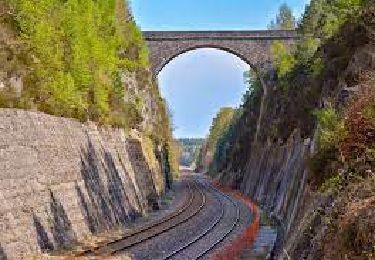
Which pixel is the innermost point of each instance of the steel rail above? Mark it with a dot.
(112, 251)
(148, 226)
(229, 231)
(210, 229)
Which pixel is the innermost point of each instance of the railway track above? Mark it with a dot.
(175, 254)
(195, 204)
(228, 232)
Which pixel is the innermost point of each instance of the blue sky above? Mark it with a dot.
(196, 84)
(209, 14)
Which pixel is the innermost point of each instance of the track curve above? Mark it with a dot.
(176, 254)
(194, 231)
(195, 205)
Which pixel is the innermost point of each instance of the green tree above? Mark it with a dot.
(323, 18)
(285, 19)
(219, 125)
(79, 50)
(253, 83)
(284, 59)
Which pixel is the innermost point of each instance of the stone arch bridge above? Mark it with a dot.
(251, 46)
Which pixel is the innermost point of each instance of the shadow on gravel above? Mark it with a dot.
(104, 203)
(3, 256)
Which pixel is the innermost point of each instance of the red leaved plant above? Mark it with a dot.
(360, 127)
(244, 240)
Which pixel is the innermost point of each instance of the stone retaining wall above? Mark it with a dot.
(61, 180)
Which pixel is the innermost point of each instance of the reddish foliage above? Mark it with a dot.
(244, 240)
(360, 125)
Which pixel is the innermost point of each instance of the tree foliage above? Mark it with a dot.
(78, 52)
(284, 60)
(208, 154)
(331, 129)
(190, 150)
(227, 124)
(285, 19)
(321, 20)
(252, 81)
(219, 125)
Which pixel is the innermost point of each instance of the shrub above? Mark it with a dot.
(8, 98)
(345, 144)
(334, 184)
(331, 128)
(359, 143)
(330, 132)
(284, 60)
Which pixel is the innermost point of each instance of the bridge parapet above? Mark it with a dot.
(219, 35)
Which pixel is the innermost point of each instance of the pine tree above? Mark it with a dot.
(285, 19)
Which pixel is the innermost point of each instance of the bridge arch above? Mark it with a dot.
(251, 46)
(173, 56)
(254, 47)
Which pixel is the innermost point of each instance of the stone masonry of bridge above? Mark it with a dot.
(254, 47)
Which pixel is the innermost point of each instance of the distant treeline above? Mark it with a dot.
(190, 150)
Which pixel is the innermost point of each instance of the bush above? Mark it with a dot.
(321, 21)
(359, 143)
(325, 162)
(347, 143)
(284, 60)
(331, 128)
